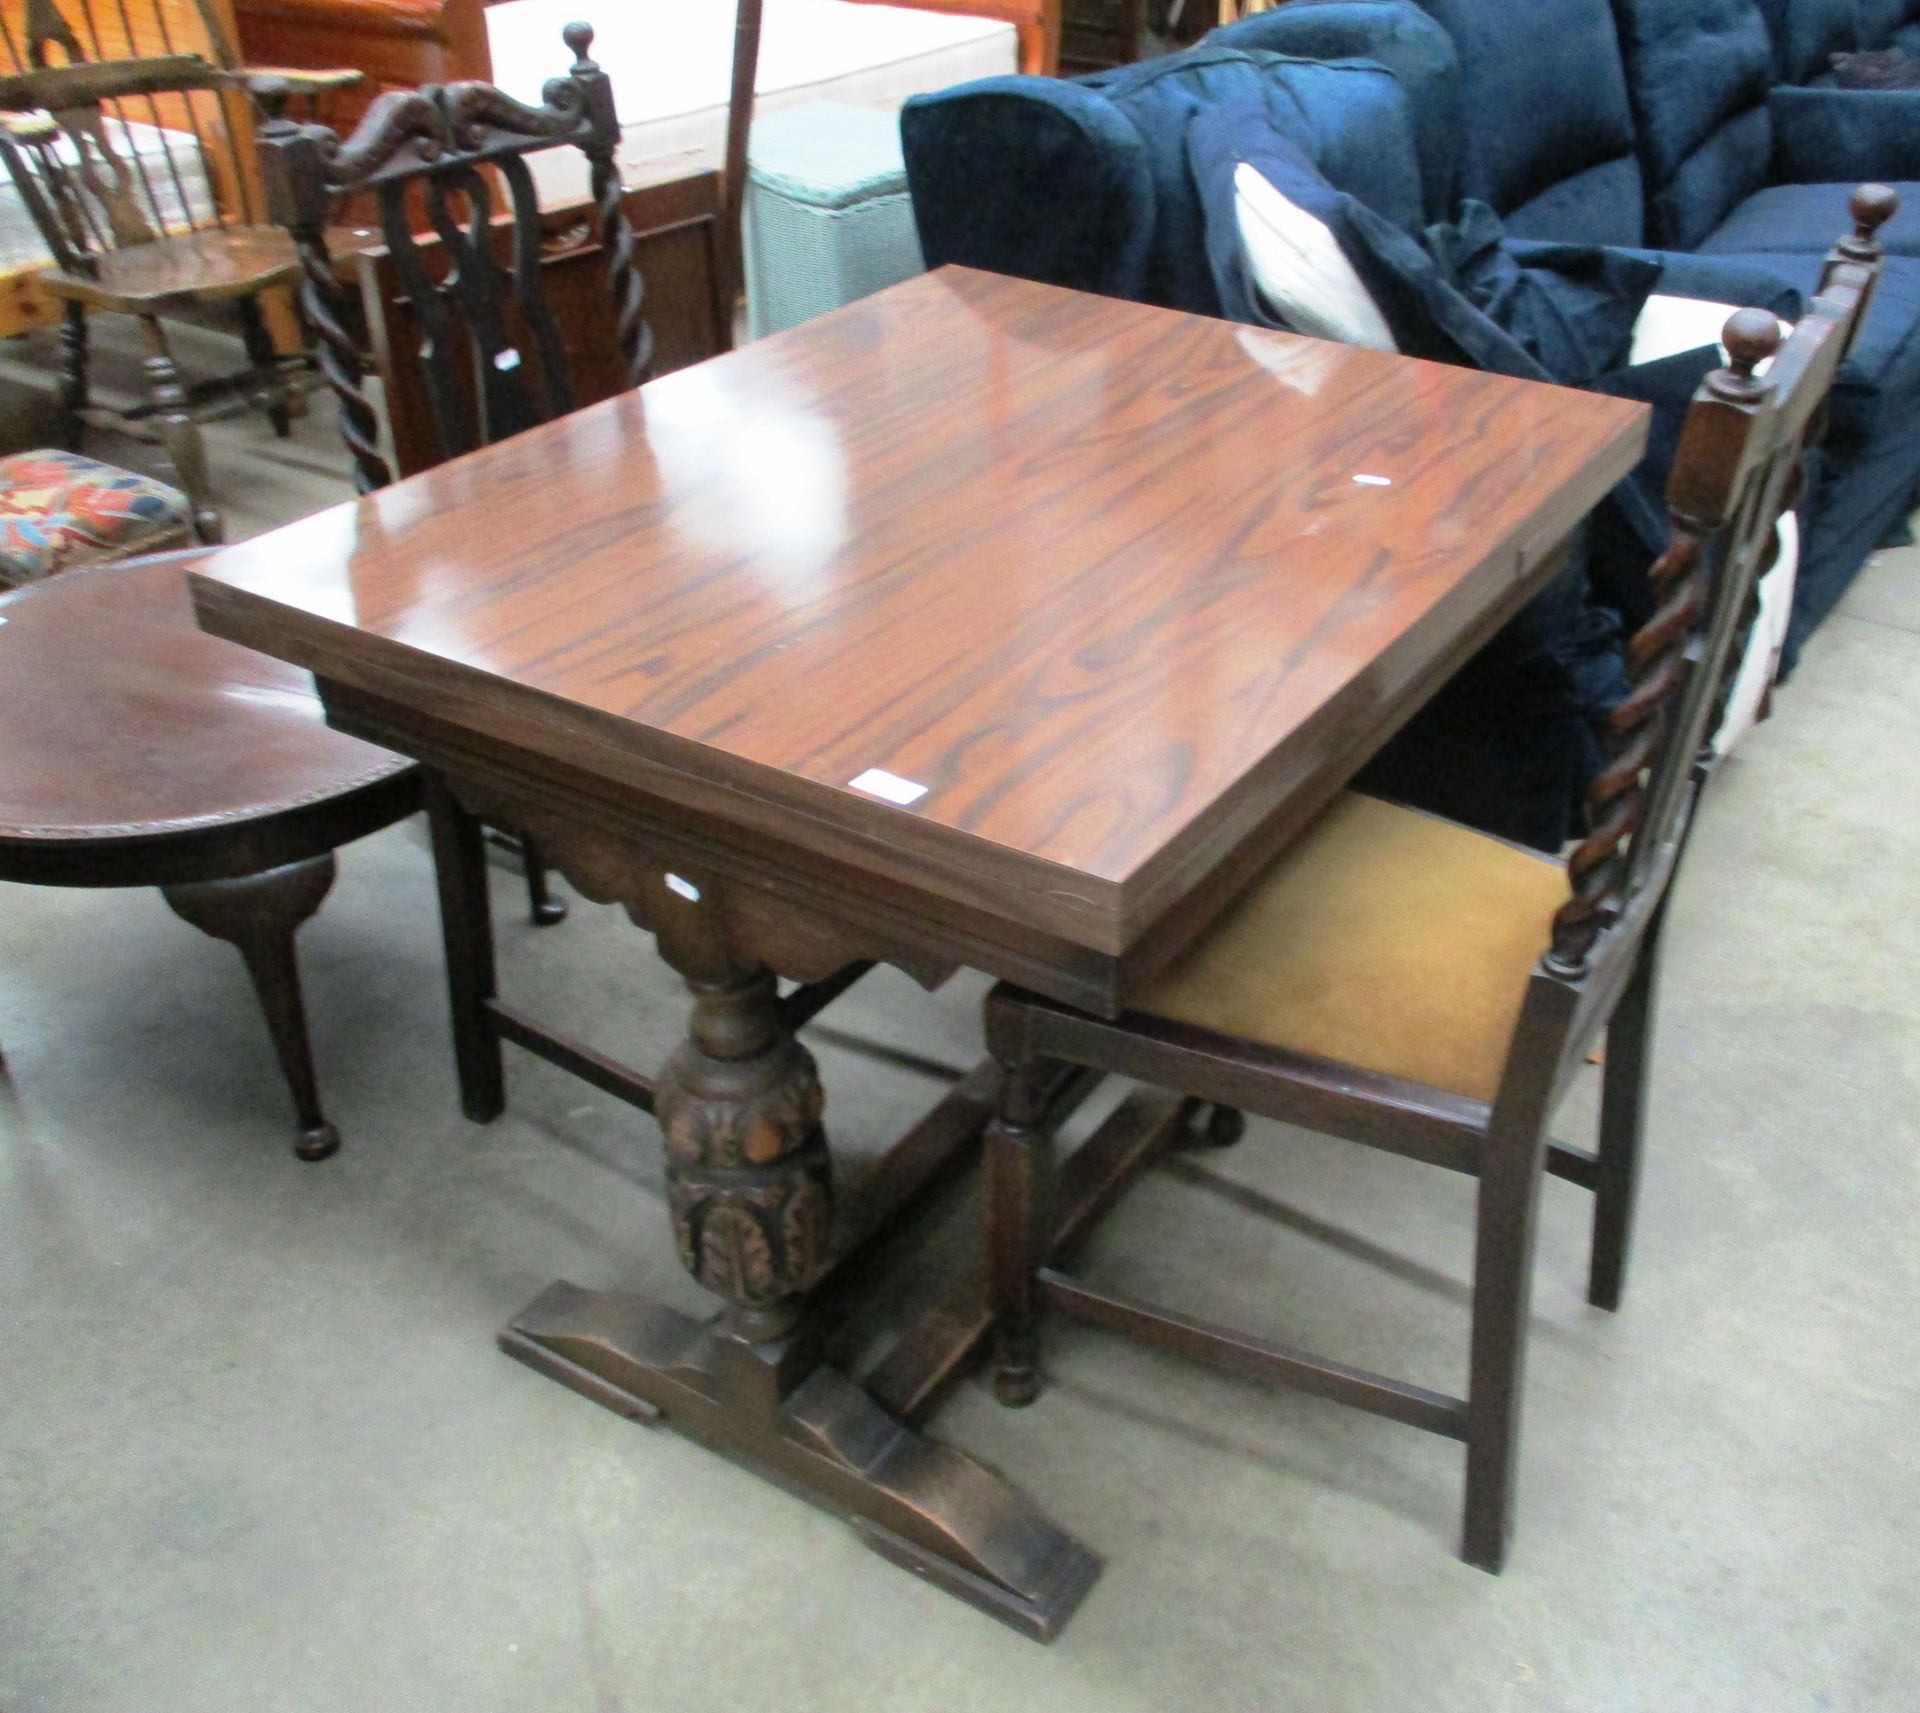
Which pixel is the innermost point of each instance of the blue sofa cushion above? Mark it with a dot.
(1828, 136)
(1810, 218)
(1549, 136)
(1806, 34)
(1032, 176)
(1881, 21)
(1459, 293)
(1698, 73)
(1570, 307)
(1349, 118)
(1391, 33)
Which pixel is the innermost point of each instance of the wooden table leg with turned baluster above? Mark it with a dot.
(756, 1220)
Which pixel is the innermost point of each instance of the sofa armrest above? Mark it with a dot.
(1735, 280)
(1844, 136)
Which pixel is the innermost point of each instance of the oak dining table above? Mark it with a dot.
(979, 623)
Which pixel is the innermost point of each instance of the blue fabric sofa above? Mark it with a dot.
(1537, 109)
(1661, 122)
(1808, 33)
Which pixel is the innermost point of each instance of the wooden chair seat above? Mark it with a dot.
(210, 266)
(1386, 939)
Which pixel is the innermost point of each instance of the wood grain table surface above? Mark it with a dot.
(1109, 582)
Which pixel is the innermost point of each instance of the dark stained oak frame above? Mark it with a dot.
(1097, 575)
(1737, 469)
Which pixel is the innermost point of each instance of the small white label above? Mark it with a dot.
(685, 888)
(508, 359)
(878, 782)
(1374, 481)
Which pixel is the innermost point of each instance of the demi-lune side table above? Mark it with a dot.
(136, 750)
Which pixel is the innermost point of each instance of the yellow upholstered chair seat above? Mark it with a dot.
(1385, 939)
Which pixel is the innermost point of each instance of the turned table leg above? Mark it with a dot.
(260, 914)
(751, 1198)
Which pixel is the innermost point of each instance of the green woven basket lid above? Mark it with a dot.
(828, 154)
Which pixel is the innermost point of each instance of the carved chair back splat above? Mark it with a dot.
(1737, 470)
(492, 355)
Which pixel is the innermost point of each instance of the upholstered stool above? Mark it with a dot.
(59, 510)
(828, 217)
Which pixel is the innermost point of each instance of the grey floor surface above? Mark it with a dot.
(258, 1451)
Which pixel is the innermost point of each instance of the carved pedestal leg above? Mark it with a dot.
(178, 428)
(74, 387)
(747, 1171)
(269, 385)
(260, 914)
(750, 1193)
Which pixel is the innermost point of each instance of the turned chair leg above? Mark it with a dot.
(1018, 1179)
(542, 906)
(75, 388)
(269, 383)
(180, 431)
(260, 914)
(1623, 1106)
(1508, 1206)
(466, 927)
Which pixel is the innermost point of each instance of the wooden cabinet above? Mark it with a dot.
(1096, 34)
(399, 44)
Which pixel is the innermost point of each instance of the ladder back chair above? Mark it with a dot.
(1410, 984)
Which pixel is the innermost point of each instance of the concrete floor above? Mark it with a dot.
(258, 1451)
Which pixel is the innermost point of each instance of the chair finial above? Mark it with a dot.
(271, 95)
(1751, 336)
(1872, 206)
(579, 37)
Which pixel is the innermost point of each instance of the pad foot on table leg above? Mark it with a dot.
(772, 1407)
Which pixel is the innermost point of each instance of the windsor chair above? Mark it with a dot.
(129, 170)
(1385, 981)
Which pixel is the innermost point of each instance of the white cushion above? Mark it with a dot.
(1299, 269)
(1760, 665)
(1670, 325)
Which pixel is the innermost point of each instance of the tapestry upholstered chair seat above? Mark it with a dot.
(59, 510)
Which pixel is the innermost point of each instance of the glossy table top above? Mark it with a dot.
(1093, 579)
